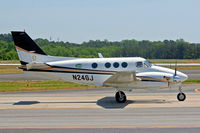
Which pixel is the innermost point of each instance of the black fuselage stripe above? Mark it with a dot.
(70, 72)
(152, 80)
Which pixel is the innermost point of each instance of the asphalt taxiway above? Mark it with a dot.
(95, 110)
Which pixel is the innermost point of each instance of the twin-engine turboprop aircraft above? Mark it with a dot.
(121, 73)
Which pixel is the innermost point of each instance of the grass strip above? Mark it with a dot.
(11, 71)
(9, 62)
(192, 81)
(174, 60)
(185, 67)
(12, 86)
(8, 66)
(151, 60)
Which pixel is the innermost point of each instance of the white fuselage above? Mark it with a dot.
(95, 71)
(121, 73)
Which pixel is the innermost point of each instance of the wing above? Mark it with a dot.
(122, 80)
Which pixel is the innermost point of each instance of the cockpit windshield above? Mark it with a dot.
(147, 63)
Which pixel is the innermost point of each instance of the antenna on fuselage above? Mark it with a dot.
(100, 55)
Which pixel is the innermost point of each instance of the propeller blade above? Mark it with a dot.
(175, 69)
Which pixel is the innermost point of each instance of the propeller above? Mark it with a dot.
(175, 69)
(174, 76)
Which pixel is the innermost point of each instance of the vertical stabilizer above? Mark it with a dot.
(27, 50)
(23, 41)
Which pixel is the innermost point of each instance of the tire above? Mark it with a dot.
(181, 96)
(121, 99)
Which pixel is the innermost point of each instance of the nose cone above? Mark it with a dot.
(182, 76)
(179, 75)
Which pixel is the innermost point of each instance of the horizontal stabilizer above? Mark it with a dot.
(36, 66)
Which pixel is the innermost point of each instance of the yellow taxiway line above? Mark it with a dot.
(197, 90)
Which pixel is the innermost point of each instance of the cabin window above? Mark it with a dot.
(116, 64)
(139, 64)
(94, 65)
(124, 64)
(107, 65)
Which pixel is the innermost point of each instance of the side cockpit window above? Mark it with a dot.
(147, 64)
(139, 64)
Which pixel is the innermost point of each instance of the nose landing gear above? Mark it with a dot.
(120, 97)
(181, 96)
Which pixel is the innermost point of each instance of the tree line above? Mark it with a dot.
(167, 49)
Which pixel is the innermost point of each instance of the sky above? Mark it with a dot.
(115, 20)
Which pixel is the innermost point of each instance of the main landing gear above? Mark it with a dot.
(181, 96)
(120, 97)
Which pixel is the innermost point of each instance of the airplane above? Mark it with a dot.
(124, 73)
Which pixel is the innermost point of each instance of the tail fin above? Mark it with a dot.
(27, 49)
(23, 41)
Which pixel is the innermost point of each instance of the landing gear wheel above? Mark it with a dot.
(181, 96)
(120, 97)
